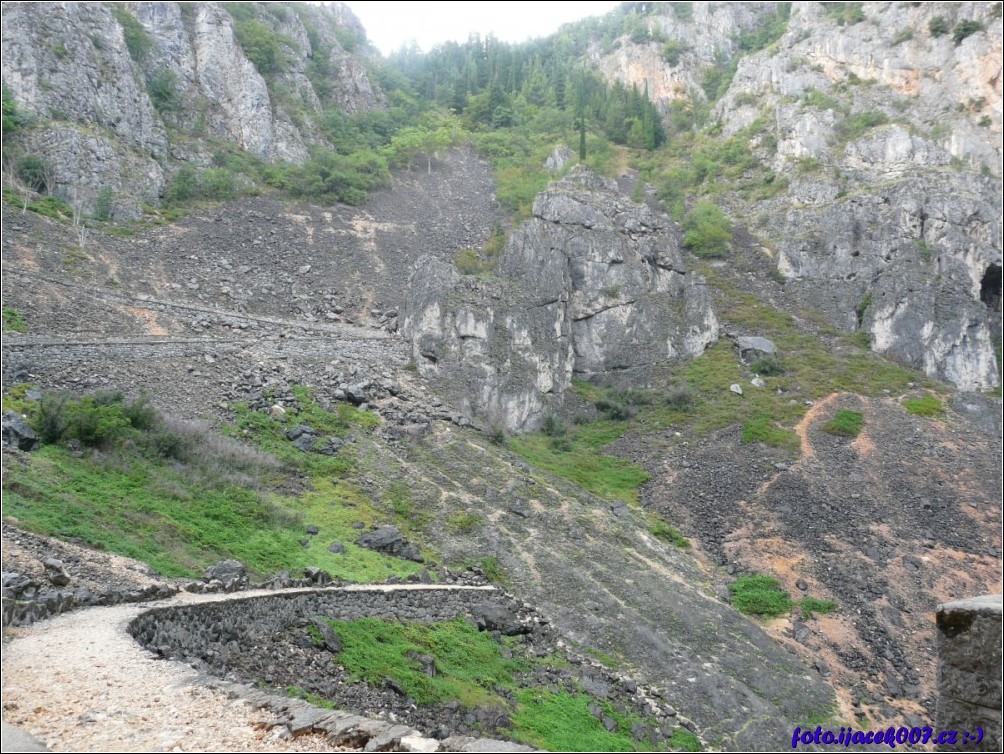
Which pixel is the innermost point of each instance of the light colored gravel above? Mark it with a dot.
(79, 682)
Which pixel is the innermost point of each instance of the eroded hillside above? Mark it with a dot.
(784, 393)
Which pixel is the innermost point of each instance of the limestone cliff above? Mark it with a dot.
(884, 120)
(120, 94)
(593, 284)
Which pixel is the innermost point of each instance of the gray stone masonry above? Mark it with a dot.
(969, 670)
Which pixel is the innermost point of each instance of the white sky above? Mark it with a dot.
(389, 25)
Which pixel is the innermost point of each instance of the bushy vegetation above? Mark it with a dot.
(856, 125)
(162, 87)
(179, 496)
(845, 422)
(767, 365)
(137, 41)
(844, 14)
(34, 172)
(938, 26)
(707, 231)
(966, 29)
(261, 45)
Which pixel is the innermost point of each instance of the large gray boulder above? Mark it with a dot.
(390, 541)
(228, 572)
(17, 433)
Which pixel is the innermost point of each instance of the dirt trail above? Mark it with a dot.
(79, 682)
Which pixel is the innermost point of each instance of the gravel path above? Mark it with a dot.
(80, 683)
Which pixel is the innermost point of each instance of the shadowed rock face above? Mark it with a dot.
(593, 284)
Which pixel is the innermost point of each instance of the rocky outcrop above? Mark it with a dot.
(593, 285)
(116, 108)
(885, 121)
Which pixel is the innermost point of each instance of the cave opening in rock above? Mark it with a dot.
(990, 287)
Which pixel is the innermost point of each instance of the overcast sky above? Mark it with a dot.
(390, 25)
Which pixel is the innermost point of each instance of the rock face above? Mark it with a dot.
(116, 105)
(593, 285)
(888, 134)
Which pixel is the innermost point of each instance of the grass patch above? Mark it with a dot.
(759, 594)
(178, 496)
(812, 605)
(684, 740)
(582, 462)
(760, 428)
(463, 522)
(667, 533)
(925, 405)
(469, 663)
(561, 721)
(846, 423)
(13, 320)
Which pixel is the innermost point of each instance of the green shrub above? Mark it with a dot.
(811, 605)
(759, 594)
(162, 87)
(845, 422)
(903, 35)
(672, 50)
(966, 29)
(34, 173)
(462, 522)
(858, 124)
(938, 26)
(103, 204)
(97, 420)
(13, 118)
(679, 396)
(329, 176)
(211, 184)
(667, 533)
(862, 307)
(260, 45)
(682, 11)
(926, 405)
(613, 410)
(468, 262)
(845, 14)
(137, 41)
(553, 426)
(707, 231)
(767, 365)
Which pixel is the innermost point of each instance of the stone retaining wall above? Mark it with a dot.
(969, 670)
(208, 629)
